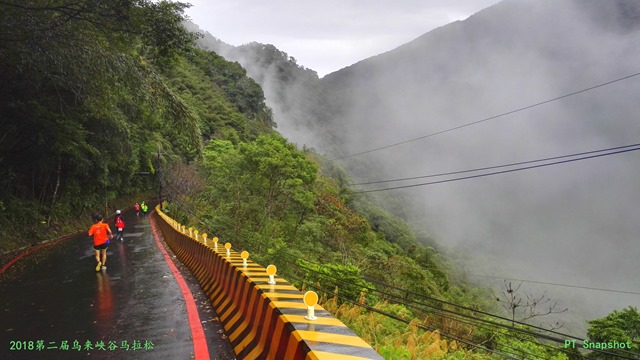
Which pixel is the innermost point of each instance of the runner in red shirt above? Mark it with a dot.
(119, 223)
(101, 235)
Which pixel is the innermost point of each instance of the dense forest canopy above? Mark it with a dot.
(91, 90)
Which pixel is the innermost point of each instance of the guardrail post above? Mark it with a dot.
(244, 255)
(228, 247)
(195, 232)
(310, 299)
(215, 243)
(271, 271)
(190, 231)
(204, 237)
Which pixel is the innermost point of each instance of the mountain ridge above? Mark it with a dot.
(511, 55)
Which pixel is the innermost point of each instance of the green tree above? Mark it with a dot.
(622, 326)
(263, 189)
(78, 96)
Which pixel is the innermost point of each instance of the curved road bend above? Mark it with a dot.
(54, 305)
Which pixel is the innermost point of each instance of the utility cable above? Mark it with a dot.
(409, 322)
(425, 297)
(473, 321)
(398, 318)
(470, 317)
(484, 326)
(524, 331)
(489, 118)
(408, 303)
(566, 336)
(556, 284)
(495, 173)
(480, 323)
(495, 167)
(437, 309)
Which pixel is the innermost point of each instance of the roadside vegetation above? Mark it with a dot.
(89, 95)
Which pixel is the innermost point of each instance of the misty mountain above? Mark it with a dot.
(574, 223)
(511, 54)
(292, 90)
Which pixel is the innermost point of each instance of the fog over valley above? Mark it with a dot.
(574, 223)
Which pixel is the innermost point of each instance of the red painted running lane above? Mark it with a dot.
(197, 333)
(36, 248)
(8, 265)
(42, 246)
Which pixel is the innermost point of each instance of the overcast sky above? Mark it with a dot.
(328, 35)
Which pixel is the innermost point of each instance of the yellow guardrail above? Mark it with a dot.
(264, 316)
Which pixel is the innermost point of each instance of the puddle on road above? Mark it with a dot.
(128, 235)
(90, 253)
(141, 248)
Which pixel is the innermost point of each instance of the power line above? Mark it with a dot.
(398, 318)
(407, 301)
(422, 326)
(426, 297)
(495, 167)
(495, 173)
(556, 284)
(481, 323)
(489, 118)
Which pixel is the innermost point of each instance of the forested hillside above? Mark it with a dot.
(100, 102)
(539, 225)
(452, 94)
(293, 91)
(90, 93)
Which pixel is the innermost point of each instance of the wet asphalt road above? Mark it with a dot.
(54, 305)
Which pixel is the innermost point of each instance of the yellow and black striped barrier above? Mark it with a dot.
(264, 316)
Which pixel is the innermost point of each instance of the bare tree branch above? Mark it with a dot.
(529, 307)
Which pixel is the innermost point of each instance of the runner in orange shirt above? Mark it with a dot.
(101, 235)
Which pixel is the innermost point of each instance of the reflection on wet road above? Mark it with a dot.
(54, 305)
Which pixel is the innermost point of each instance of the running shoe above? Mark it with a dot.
(98, 266)
(104, 268)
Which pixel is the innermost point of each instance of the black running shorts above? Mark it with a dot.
(103, 246)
